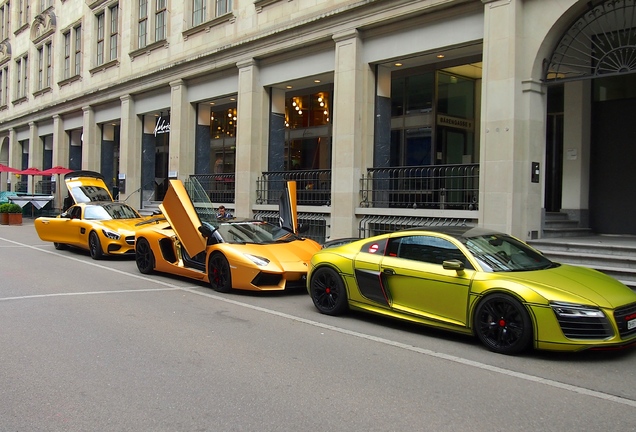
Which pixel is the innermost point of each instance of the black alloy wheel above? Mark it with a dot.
(219, 273)
(328, 292)
(95, 246)
(144, 257)
(503, 324)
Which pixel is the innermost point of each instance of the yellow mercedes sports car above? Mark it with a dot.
(225, 252)
(478, 282)
(95, 222)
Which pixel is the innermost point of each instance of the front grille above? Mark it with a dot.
(585, 328)
(623, 315)
(266, 279)
(130, 240)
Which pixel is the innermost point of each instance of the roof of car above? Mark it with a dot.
(456, 231)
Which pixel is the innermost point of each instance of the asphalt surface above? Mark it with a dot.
(96, 346)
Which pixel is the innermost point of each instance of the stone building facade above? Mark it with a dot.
(388, 113)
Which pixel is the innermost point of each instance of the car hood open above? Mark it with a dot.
(87, 186)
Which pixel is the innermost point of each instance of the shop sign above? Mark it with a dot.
(456, 122)
(162, 126)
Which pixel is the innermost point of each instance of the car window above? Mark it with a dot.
(76, 213)
(96, 213)
(504, 253)
(253, 232)
(427, 249)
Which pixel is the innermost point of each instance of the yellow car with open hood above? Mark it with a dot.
(94, 222)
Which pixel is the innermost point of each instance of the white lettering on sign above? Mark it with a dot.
(162, 126)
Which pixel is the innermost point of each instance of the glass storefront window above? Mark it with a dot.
(419, 93)
(308, 110)
(223, 139)
(455, 95)
(432, 118)
(308, 135)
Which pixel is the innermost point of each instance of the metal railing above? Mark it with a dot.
(376, 225)
(219, 187)
(315, 224)
(313, 186)
(432, 186)
(43, 187)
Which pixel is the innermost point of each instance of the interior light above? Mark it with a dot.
(316, 81)
(300, 112)
(288, 87)
(440, 56)
(398, 64)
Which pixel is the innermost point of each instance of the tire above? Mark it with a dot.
(219, 273)
(503, 324)
(95, 246)
(59, 246)
(144, 257)
(328, 291)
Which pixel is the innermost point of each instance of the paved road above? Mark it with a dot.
(96, 346)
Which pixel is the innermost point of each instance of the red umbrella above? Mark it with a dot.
(56, 170)
(30, 171)
(5, 168)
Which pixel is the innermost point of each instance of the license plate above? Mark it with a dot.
(631, 324)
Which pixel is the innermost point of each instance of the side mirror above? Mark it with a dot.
(302, 228)
(206, 230)
(453, 264)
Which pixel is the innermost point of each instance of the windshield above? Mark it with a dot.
(110, 211)
(253, 232)
(499, 253)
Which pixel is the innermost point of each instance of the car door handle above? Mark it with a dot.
(388, 271)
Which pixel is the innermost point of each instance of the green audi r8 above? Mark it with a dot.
(479, 282)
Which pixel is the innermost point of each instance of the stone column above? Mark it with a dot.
(91, 142)
(251, 136)
(15, 158)
(36, 152)
(60, 158)
(348, 124)
(181, 153)
(512, 128)
(130, 152)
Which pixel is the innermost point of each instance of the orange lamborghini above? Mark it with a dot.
(227, 253)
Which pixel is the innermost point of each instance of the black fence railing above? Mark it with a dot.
(219, 187)
(432, 186)
(313, 187)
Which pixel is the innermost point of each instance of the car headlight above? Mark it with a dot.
(571, 310)
(259, 261)
(111, 234)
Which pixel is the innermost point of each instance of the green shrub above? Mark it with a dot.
(10, 208)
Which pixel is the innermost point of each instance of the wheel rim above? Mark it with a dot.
(144, 259)
(219, 272)
(325, 290)
(92, 241)
(500, 324)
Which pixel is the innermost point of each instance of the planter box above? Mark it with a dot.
(4, 218)
(15, 218)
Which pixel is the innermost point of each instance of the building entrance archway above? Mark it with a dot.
(597, 141)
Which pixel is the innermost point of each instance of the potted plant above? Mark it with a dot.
(10, 214)
(4, 214)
